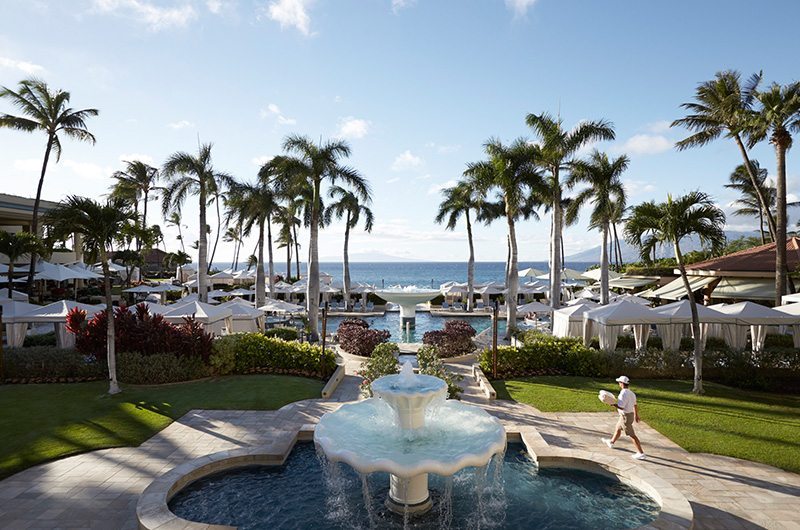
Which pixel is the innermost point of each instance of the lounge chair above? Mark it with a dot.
(370, 307)
(458, 307)
(357, 306)
(479, 305)
(445, 305)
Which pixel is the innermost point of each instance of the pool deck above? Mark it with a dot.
(100, 489)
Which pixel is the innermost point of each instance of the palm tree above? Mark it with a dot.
(47, 111)
(778, 118)
(174, 219)
(606, 193)
(460, 200)
(217, 192)
(253, 206)
(348, 205)
(693, 214)
(311, 165)
(133, 184)
(748, 203)
(188, 174)
(177, 259)
(288, 223)
(233, 234)
(555, 151)
(99, 224)
(723, 106)
(14, 246)
(510, 170)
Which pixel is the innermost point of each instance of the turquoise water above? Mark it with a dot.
(425, 322)
(518, 495)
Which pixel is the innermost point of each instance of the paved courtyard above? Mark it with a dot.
(100, 489)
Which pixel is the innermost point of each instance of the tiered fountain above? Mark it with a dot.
(407, 298)
(409, 430)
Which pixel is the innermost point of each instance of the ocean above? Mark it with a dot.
(421, 274)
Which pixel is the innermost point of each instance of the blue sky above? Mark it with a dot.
(416, 87)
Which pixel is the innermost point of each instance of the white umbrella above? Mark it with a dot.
(328, 289)
(534, 307)
(587, 294)
(242, 292)
(532, 288)
(152, 308)
(112, 267)
(279, 306)
(530, 272)
(566, 274)
(630, 298)
(594, 275)
(57, 273)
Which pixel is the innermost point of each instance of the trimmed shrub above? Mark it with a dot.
(356, 338)
(282, 332)
(255, 353)
(547, 356)
(387, 347)
(159, 368)
(431, 364)
(44, 339)
(48, 364)
(382, 362)
(454, 339)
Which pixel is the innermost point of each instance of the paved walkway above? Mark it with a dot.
(100, 489)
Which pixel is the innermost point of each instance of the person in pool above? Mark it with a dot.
(628, 414)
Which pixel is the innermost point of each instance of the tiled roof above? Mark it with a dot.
(755, 259)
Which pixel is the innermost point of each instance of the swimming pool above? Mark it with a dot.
(425, 322)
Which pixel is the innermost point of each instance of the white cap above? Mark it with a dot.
(623, 379)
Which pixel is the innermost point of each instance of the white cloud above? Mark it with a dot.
(182, 124)
(274, 110)
(88, 170)
(658, 127)
(289, 13)
(393, 180)
(28, 164)
(638, 187)
(261, 160)
(155, 17)
(426, 176)
(519, 7)
(353, 128)
(436, 188)
(398, 5)
(337, 99)
(219, 7)
(444, 149)
(147, 159)
(405, 161)
(22, 66)
(645, 144)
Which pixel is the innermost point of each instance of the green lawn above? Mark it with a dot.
(727, 421)
(45, 422)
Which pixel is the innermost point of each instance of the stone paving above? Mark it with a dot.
(100, 489)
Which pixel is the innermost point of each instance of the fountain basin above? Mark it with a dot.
(408, 298)
(409, 395)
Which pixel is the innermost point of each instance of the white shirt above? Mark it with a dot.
(626, 401)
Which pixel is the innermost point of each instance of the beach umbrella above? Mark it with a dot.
(57, 273)
(152, 308)
(587, 294)
(630, 298)
(534, 307)
(242, 292)
(594, 275)
(530, 272)
(112, 267)
(279, 306)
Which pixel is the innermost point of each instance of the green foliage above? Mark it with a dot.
(43, 364)
(546, 355)
(43, 339)
(255, 353)
(381, 362)
(431, 364)
(160, 368)
(387, 348)
(282, 332)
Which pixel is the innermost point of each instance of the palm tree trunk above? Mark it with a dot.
(260, 282)
(698, 343)
(216, 238)
(470, 264)
(296, 251)
(761, 226)
(618, 245)
(604, 267)
(113, 385)
(288, 260)
(346, 263)
(271, 257)
(202, 246)
(144, 209)
(555, 254)
(762, 201)
(508, 258)
(780, 221)
(35, 218)
(312, 293)
(513, 277)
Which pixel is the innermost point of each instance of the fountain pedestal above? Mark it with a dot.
(409, 494)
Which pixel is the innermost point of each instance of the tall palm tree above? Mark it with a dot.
(14, 246)
(253, 205)
(511, 171)
(723, 106)
(348, 205)
(99, 224)
(174, 219)
(134, 184)
(309, 165)
(186, 175)
(217, 192)
(173, 260)
(556, 149)
(233, 234)
(606, 193)
(48, 111)
(694, 214)
(748, 203)
(459, 200)
(778, 117)
(286, 234)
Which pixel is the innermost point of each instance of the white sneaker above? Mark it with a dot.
(638, 456)
(608, 442)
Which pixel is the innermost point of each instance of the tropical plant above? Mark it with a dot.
(694, 214)
(217, 192)
(348, 205)
(511, 171)
(186, 175)
(48, 111)
(174, 219)
(748, 203)
(14, 246)
(173, 260)
(606, 193)
(99, 225)
(555, 150)
(307, 167)
(777, 118)
(135, 183)
(234, 234)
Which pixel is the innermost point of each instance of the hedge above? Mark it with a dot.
(159, 368)
(48, 364)
(245, 353)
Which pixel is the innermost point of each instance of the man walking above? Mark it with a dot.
(628, 414)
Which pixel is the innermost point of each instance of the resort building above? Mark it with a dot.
(16, 215)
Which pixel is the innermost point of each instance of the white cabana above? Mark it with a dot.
(680, 314)
(568, 321)
(586, 294)
(792, 309)
(56, 313)
(785, 299)
(15, 331)
(609, 319)
(152, 308)
(534, 307)
(759, 318)
(583, 301)
(594, 275)
(242, 292)
(222, 277)
(530, 272)
(245, 317)
(279, 306)
(566, 274)
(215, 320)
(532, 288)
(632, 282)
(15, 295)
(629, 298)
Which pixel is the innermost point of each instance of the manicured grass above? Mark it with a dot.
(45, 422)
(726, 421)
